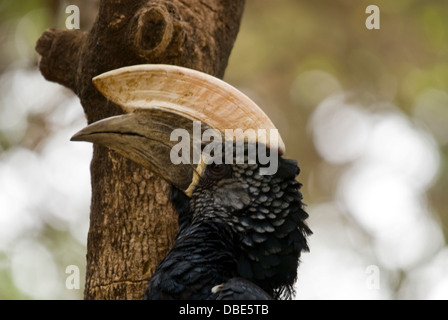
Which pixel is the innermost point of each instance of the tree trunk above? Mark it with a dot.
(132, 224)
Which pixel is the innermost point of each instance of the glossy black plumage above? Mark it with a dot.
(240, 236)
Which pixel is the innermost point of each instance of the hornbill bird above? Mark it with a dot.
(241, 232)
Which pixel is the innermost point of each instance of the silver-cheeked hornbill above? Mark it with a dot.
(241, 233)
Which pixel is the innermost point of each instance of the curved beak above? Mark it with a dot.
(159, 99)
(144, 137)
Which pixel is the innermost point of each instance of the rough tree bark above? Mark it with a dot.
(132, 224)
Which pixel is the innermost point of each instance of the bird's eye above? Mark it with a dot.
(217, 170)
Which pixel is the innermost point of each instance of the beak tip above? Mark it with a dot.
(79, 136)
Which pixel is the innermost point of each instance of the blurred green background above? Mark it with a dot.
(364, 111)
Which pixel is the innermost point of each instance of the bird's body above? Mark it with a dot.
(201, 258)
(240, 235)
